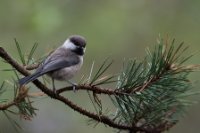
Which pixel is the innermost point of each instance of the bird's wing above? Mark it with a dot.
(58, 63)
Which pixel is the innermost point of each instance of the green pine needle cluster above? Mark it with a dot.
(158, 88)
(26, 59)
(98, 78)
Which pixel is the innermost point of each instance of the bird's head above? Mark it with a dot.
(76, 44)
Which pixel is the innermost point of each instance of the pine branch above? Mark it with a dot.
(149, 95)
(50, 93)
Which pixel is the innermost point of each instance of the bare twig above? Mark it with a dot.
(95, 89)
(7, 105)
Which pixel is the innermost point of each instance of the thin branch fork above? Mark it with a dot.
(7, 105)
(20, 97)
(100, 118)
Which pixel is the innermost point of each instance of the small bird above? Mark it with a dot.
(63, 63)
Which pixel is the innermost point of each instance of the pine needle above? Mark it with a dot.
(21, 55)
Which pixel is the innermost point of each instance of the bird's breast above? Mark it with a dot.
(67, 72)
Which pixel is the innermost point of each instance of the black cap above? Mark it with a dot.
(78, 40)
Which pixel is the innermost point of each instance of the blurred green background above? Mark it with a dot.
(113, 28)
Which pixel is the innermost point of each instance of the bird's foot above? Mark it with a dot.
(74, 88)
(73, 84)
(54, 87)
(55, 92)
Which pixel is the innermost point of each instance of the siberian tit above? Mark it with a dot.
(63, 63)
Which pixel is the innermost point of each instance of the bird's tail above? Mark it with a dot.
(28, 79)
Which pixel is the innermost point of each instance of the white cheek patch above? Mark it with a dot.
(84, 50)
(69, 45)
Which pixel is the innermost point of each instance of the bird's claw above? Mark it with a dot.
(74, 88)
(73, 84)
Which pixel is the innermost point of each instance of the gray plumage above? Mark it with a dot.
(63, 63)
